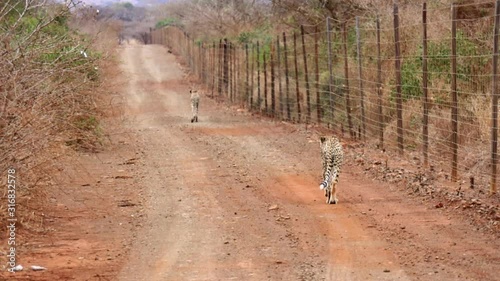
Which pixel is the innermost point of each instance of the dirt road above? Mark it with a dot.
(236, 197)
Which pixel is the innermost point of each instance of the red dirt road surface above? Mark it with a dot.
(236, 197)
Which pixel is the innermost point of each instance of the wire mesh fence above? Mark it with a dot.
(403, 81)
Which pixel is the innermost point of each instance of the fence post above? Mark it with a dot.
(399, 102)
(226, 67)
(258, 77)
(265, 80)
(192, 55)
(186, 53)
(330, 70)
(195, 58)
(273, 94)
(162, 35)
(379, 89)
(234, 76)
(306, 75)
(280, 93)
(252, 79)
(316, 63)
(213, 68)
(346, 83)
(297, 91)
(220, 68)
(247, 84)
(229, 72)
(454, 93)
(237, 73)
(203, 58)
(287, 80)
(205, 63)
(494, 105)
(425, 120)
(360, 76)
(233, 70)
(198, 61)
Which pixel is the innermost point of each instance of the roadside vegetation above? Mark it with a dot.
(50, 90)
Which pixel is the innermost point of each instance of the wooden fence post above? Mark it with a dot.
(247, 84)
(454, 94)
(360, 77)
(399, 102)
(346, 83)
(494, 105)
(331, 95)
(219, 69)
(213, 68)
(235, 72)
(205, 62)
(252, 78)
(273, 94)
(265, 80)
(297, 90)
(425, 120)
(280, 93)
(226, 67)
(316, 63)
(229, 72)
(287, 80)
(379, 89)
(306, 75)
(258, 77)
(237, 91)
(192, 55)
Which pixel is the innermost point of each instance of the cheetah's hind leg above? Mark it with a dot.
(328, 194)
(332, 198)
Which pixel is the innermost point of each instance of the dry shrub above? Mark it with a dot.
(49, 81)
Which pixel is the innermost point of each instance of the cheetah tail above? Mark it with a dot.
(323, 185)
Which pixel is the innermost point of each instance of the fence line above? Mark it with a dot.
(428, 85)
(494, 103)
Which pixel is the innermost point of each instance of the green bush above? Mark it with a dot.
(469, 64)
(167, 22)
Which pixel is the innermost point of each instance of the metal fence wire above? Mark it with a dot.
(421, 83)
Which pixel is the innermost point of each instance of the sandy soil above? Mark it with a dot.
(236, 197)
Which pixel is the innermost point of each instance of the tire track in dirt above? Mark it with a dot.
(191, 228)
(353, 253)
(211, 185)
(173, 195)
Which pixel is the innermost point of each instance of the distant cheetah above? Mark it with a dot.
(195, 103)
